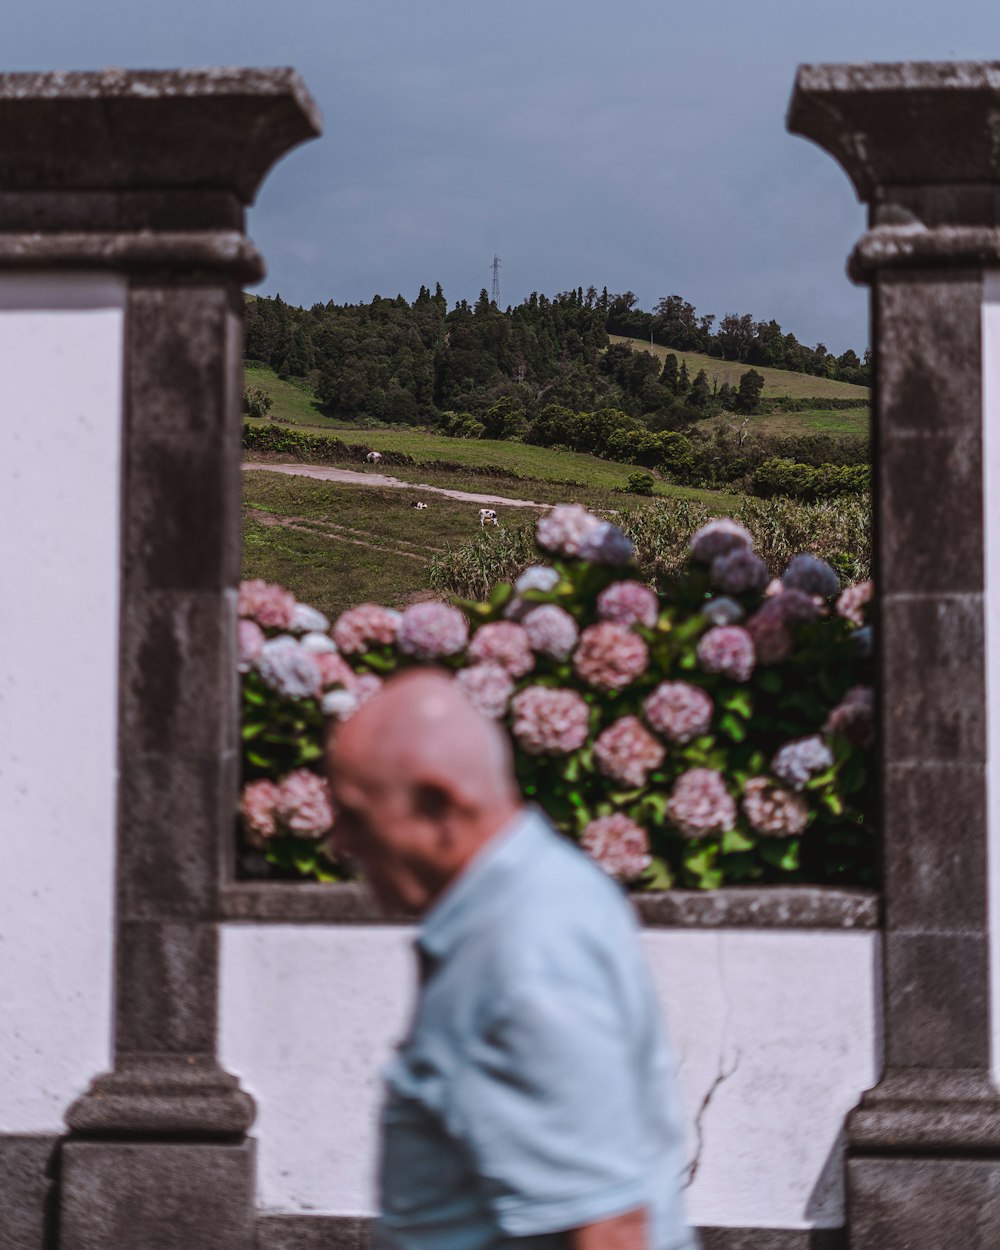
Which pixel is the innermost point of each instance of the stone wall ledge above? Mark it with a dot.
(737, 907)
(228, 251)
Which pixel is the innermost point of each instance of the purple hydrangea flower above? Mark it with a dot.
(307, 620)
(812, 576)
(723, 611)
(739, 572)
(607, 545)
(796, 763)
(289, 669)
(717, 538)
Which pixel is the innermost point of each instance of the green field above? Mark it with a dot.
(811, 421)
(337, 545)
(542, 467)
(777, 382)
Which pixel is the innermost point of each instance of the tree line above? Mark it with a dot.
(396, 361)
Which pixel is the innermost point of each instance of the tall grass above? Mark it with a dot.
(837, 530)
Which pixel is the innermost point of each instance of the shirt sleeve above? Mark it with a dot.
(549, 1105)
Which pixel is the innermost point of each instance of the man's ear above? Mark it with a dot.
(432, 802)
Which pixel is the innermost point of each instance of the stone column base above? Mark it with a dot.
(920, 1203)
(157, 1195)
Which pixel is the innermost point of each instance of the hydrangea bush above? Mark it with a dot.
(715, 730)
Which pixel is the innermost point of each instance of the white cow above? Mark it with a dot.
(374, 457)
(419, 505)
(487, 516)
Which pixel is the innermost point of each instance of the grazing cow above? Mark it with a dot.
(487, 516)
(374, 457)
(418, 504)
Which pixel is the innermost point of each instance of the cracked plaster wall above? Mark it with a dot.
(61, 342)
(775, 1034)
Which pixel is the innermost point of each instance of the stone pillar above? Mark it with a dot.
(144, 177)
(920, 144)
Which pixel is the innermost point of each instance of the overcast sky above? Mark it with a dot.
(639, 146)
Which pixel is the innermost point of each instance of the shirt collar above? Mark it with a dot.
(495, 869)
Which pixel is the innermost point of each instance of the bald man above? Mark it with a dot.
(531, 1105)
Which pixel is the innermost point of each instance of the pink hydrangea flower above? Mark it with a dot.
(773, 811)
(564, 530)
(772, 639)
(249, 643)
(551, 631)
(318, 643)
(769, 625)
(431, 630)
(367, 686)
(799, 761)
(488, 687)
(289, 669)
(728, 650)
(717, 538)
(334, 670)
(679, 711)
(700, 804)
(618, 845)
(852, 602)
(739, 572)
(627, 752)
(610, 656)
(629, 603)
(550, 722)
(368, 625)
(304, 804)
(268, 604)
(504, 643)
(259, 811)
(854, 717)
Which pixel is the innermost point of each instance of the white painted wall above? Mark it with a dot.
(61, 343)
(309, 1014)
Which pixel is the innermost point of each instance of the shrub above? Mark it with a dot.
(809, 482)
(256, 401)
(685, 738)
(640, 483)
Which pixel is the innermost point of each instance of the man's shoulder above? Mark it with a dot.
(564, 913)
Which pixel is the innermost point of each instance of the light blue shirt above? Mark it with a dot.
(534, 1092)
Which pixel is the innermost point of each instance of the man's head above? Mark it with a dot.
(421, 781)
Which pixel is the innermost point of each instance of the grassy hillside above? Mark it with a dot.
(777, 382)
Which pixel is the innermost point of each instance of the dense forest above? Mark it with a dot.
(419, 362)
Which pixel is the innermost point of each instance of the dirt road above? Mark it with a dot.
(356, 477)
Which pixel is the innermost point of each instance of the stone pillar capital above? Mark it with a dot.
(142, 170)
(921, 144)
